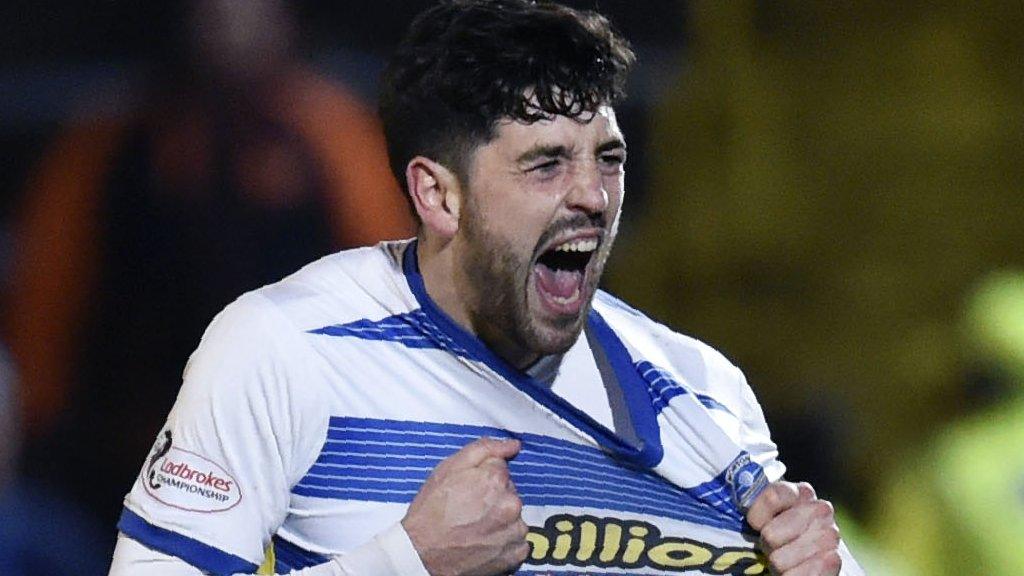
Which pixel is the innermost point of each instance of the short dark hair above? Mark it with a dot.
(466, 64)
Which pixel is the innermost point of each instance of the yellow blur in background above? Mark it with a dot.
(831, 183)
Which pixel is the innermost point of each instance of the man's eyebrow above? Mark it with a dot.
(613, 144)
(543, 151)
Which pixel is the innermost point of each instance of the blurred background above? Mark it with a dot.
(831, 194)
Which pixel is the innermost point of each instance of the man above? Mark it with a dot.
(469, 402)
(237, 165)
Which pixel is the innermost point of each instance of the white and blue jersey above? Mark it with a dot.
(315, 408)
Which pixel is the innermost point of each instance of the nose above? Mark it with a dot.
(587, 192)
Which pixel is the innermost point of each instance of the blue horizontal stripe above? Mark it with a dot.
(663, 388)
(561, 456)
(569, 455)
(352, 422)
(288, 556)
(573, 478)
(625, 506)
(552, 472)
(361, 484)
(388, 461)
(203, 556)
(603, 496)
(537, 450)
(412, 329)
(699, 516)
(521, 471)
(392, 432)
(710, 402)
(398, 448)
(384, 460)
(532, 451)
(362, 434)
(383, 495)
(344, 470)
(543, 483)
(611, 475)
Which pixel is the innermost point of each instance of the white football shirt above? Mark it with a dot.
(314, 408)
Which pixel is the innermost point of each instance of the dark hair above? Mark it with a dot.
(466, 64)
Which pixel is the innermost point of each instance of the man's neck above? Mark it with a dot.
(447, 287)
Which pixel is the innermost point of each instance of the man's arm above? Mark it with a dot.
(390, 553)
(465, 520)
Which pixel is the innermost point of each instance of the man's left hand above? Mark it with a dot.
(799, 535)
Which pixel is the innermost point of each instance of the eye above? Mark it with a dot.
(546, 167)
(612, 161)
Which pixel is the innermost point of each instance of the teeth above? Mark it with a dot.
(586, 245)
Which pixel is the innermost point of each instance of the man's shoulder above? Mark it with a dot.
(701, 365)
(341, 287)
(261, 343)
(634, 325)
(344, 287)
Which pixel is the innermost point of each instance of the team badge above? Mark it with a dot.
(746, 480)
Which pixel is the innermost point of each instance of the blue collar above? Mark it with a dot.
(634, 389)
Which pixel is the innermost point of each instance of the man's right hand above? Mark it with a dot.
(467, 519)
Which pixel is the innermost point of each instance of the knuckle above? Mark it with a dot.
(499, 475)
(483, 442)
(504, 472)
(831, 538)
(769, 536)
(516, 507)
(807, 488)
(832, 562)
(521, 530)
(510, 508)
(823, 509)
(773, 496)
(781, 494)
(519, 553)
(775, 562)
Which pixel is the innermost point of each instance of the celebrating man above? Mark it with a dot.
(469, 402)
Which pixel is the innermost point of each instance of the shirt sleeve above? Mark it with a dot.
(216, 485)
(850, 565)
(390, 553)
(755, 436)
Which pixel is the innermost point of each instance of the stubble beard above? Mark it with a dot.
(500, 280)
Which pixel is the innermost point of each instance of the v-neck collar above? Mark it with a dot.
(644, 419)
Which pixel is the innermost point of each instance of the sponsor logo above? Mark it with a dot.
(160, 449)
(188, 481)
(613, 543)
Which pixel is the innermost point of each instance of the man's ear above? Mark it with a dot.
(436, 194)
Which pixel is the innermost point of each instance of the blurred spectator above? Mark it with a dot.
(40, 532)
(240, 166)
(957, 507)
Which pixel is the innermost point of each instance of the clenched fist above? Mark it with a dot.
(798, 532)
(467, 520)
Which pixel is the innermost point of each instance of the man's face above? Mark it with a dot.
(541, 210)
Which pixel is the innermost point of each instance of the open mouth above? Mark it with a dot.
(561, 274)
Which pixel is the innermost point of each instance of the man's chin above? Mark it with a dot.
(554, 329)
(556, 336)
